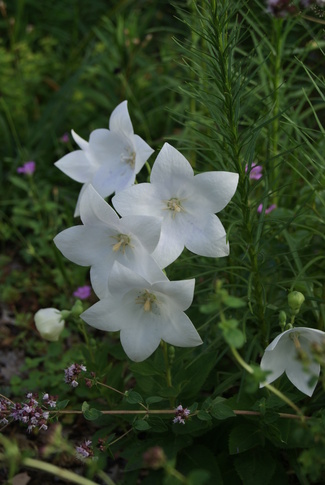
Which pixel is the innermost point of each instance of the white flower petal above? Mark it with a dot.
(170, 245)
(77, 166)
(142, 339)
(93, 208)
(102, 315)
(207, 237)
(299, 377)
(83, 144)
(214, 190)
(180, 293)
(120, 120)
(146, 228)
(142, 199)
(171, 169)
(109, 148)
(77, 209)
(143, 152)
(180, 331)
(81, 245)
(275, 360)
(123, 280)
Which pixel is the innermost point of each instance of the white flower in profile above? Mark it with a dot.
(187, 204)
(104, 238)
(290, 352)
(110, 160)
(145, 311)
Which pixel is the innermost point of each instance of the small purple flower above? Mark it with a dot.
(255, 171)
(83, 292)
(84, 450)
(28, 168)
(268, 210)
(71, 374)
(65, 138)
(181, 414)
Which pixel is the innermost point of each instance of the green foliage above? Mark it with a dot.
(230, 86)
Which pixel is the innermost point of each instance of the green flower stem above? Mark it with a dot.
(168, 371)
(81, 325)
(116, 390)
(109, 387)
(170, 470)
(60, 472)
(271, 388)
(238, 412)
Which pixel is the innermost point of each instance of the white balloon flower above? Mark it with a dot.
(105, 238)
(145, 311)
(187, 204)
(110, 160)
(49, 323)
(290, 352)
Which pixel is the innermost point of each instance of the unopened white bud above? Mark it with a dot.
(49, 323)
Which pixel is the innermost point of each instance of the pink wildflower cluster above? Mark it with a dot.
(71, 374)
(31, 412)
(84, 450)
(181, 414)
(28, 168)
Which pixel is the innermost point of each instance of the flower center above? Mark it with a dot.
(122, 241)
(174, 205)
(146, 299)
(295, 337)
(128, 157)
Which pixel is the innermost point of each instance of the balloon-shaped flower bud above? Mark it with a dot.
(49, 323)
(295, 300)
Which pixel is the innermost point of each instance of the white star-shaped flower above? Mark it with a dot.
(104, 238)
(110, 160)
(187, 204)
(282, 355)
(145, 311)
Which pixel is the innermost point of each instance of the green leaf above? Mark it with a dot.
(91, 414)
(244, 437)
(221, 411)
(232, 335)
(62, 404)
(256, 467)
(154, 399)
(141, 425)
(211, 307)
(193, 376)
(203, 415)
(19, 182)
(133, 397)
(198, 477)
(234, 302)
